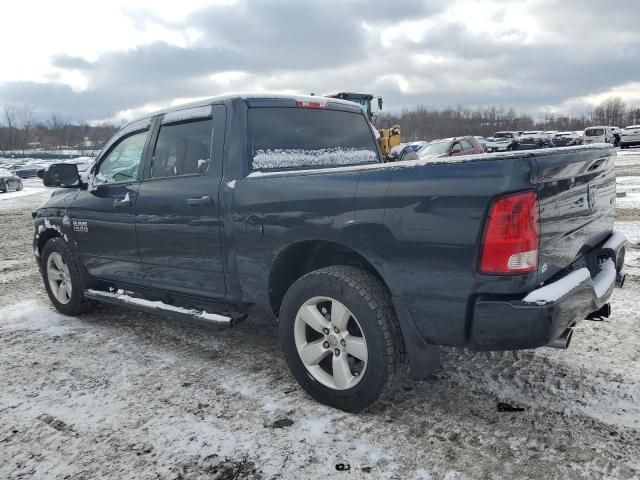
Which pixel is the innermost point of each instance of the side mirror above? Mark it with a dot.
(379, 103)
(63, 175)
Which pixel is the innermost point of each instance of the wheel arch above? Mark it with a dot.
(44, 236)
(302, 257)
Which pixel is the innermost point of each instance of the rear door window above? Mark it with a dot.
(466, 145)
(182, 149)
(289, 138)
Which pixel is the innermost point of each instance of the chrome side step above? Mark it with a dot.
(123, 299)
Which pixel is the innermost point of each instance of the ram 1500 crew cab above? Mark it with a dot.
(206, 210)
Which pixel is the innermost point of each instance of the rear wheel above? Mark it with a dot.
(341, 339)
(4, 186)
(63, 279)
(20, 186)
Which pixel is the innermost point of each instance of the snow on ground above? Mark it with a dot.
(32, 186)
(120, 394)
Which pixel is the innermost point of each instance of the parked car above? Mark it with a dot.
(9, 181)
(567, 139)
(482, 141)
(630, 136)
(602, 134)
(503, 142)
(409, 148)
(534, 139)
(447, 147)
(202, 212)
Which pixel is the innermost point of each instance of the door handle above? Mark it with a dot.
(125, 202)
(203, 201)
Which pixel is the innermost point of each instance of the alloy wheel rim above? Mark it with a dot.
(59, 278)
(330, 343)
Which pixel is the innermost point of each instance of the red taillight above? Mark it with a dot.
(312, 103)
(511, 235)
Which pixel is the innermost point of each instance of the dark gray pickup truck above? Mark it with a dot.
(204, 211)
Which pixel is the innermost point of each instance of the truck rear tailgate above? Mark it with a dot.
(577, 194)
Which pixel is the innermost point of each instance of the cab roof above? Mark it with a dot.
(233, 96)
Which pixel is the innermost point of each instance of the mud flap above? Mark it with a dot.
(424, 359)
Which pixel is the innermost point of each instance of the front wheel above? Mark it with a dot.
(63, 279)
(20, 186)
(341, 339)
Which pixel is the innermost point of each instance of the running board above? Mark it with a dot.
(122, 299)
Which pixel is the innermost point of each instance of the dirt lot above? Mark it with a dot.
(125, 395)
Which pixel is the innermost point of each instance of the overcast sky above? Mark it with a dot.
(116, 59)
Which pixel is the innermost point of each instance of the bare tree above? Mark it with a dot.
(25, 115)
(10, 116)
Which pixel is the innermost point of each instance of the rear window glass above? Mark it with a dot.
(594, 132)
(303, 137)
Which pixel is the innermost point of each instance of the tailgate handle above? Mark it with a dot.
(203, 201)
(595, 165)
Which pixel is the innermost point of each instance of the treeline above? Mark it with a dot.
(20, 129)
(426, 123)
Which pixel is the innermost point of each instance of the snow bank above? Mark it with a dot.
(32, 186)
(323, 157)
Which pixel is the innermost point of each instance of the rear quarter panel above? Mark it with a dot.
(436, 216)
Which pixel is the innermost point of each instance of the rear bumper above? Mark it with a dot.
(545, 313)
(497, 148)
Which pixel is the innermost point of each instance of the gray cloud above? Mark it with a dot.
(336, 45)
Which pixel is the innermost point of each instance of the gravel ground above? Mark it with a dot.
(118, 394)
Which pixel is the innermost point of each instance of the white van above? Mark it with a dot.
(598, 135)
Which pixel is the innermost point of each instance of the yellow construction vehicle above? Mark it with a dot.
(389, 137)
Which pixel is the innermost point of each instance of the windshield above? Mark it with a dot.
(435, 148)
(365, 105)
(503, 135)
(594, 132)
(5, 173)
(531, 133)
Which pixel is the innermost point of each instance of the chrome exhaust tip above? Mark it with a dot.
(563, 340)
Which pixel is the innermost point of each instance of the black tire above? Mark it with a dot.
(20, 186)
(370, 302)
(77, 303)
(5, 187)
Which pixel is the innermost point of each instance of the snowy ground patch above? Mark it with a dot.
(32, 315)
(32, 186)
